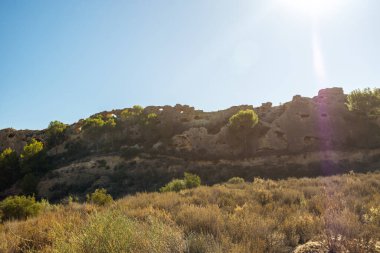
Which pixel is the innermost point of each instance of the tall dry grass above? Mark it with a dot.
(338, 213)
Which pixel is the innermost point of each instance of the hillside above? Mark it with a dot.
(141, 149)
(325, 214)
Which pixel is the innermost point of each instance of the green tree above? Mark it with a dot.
(109, 126)
(99, 197)
(96, 126)
(9, 168)
(56, 133)
(33, 158)
(243, 120)
(241, 125)
(192, 180)
(32, 149)
(93, 123)
(6, 153)
(366, 101)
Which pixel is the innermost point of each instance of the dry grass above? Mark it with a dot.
(339, 213)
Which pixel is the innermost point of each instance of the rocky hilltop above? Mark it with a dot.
(303, 137)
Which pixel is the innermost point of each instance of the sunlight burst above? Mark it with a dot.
(313, 8)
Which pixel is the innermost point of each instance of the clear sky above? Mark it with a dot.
(67, 59)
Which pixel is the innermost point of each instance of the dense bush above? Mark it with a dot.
(32, 149)
(34, 159)
(5, 154)
(56, 133)
(9, 168)
(137, 116)
(132, 114)
(240, 126)
(99, 197)
(243, 120)
(19, 207)
(366, 101)
(176, 185)
(236, 180)
(192, 180)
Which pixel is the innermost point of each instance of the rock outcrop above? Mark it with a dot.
(303, 137)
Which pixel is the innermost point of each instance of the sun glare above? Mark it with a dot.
(313, 8)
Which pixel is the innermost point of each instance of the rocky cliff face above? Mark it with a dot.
(304, 137)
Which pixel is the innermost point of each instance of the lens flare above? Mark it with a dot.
(313, 8)
(318, 59)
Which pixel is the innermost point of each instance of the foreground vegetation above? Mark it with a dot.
(336, 214)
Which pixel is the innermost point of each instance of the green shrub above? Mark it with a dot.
(94, 122)
(32, 149)
(19, 207)
(5, 154)
(235, 180)
(243, 120)
(192, 180)
(366, 101)
(151, 118)
(9, 168)
(174, 186)
(132, 114)
(100, 197)
(240, 126)
(56, 132)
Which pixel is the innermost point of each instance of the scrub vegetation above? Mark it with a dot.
(333, 214)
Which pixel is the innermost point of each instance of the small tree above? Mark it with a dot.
(244, 120)
(33, 158)
(99, 197)
(9, 168)
(95, 126)
(32, 149)
(5, 154)
(192, 180)
(93, 123)
(242, 123)
(56, 133)
(366, 101)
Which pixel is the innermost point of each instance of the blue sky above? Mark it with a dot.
(65, 60)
